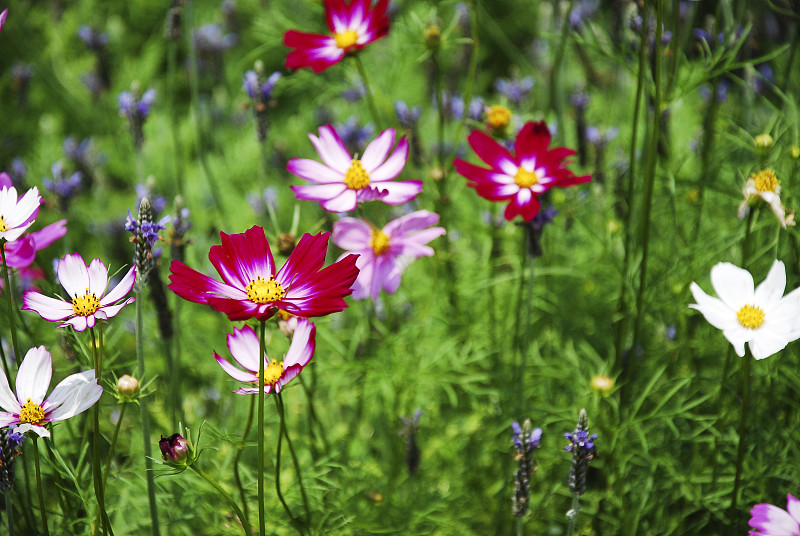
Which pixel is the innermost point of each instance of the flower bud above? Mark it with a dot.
(764, 141)
(602, 383)
(127, 385)
(174, 449)
(795, 151)
(433, 37)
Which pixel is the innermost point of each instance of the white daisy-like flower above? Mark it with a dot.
(29, 410)
(765, 186)
(762, 317)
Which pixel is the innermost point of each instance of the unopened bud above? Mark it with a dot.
(498, 117)
(286, 243)
(433, 37)
(764, 141)
(127, 385)
(174, 449)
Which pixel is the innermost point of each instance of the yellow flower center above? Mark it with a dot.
(85, 305)
(264, 291)
(750, 317)
(498, 116)
(284, 315)
(272, 372)
(379, 242)
(31, 412)
(356, 177)
(3, 227)
(525, 178)
(765, 180)
(346, 39)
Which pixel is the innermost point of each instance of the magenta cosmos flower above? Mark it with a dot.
(352, 27)
(29, 410)
(522, 177)
(87, 286)
(385, 253)
(3, 16)
(343, 181)
(770, 520)
(250, 286)
(243, 344)
(17, 214)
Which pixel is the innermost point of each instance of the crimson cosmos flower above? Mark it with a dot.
(250, 286)
(352, 27)
(520, 177)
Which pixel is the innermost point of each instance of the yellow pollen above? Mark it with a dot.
(3, 227)
(31, 412)
(750, 317)
(284, 315)
(356, 177)
(498, 116)
(272, 372)
(525, 178)
(379, 242)
(346, 39)
(765, 180)
(85, 305)
(264, 291)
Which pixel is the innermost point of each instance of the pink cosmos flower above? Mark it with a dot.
(87, 286)
(243, 344)
(522, 177)
(770, 520)
(16, 215)
(385, 253)
(250, 286)
(343, 181)
(3, 16)
(352, 27)
(29, 409)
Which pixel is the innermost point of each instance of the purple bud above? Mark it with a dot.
(174, 449)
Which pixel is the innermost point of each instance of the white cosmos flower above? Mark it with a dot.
(29, 410)
(762, 317)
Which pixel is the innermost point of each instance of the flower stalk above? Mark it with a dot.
(11, 308)
(225, 495)
(42, 509)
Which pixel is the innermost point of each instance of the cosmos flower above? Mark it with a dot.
(761, 317)
(87, 286)
(17, 214)
(770, 520)
(250, 286)
(343, 181)
(244, 347)
(522, 177)
(22, 252)
(352, 26)
(3, 16)
(766, 187)
(29, 410)
(383, 254)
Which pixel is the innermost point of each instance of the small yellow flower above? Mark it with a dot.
(764, 141)
(602, 383)
(795, 151)
(765, 186)
(498, 116)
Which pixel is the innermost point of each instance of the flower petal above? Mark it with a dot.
(377, 150)
(235, 373)
(244, 347)
(733, 285)
(351, 234)
(770, 291)
(48, 308)
(98, 277)
(122, 289)
(33, 378)
(73, 275)
(303, 344)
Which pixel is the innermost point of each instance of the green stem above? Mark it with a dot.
(278, 482)
(172, 53)
(732, 515)
(520, 527)
(9, 513)
(572, 515)
(285, 432)
(373, 109)
(113, 444)
(39, 485)
(239, 450)
(261, 351)
(521, 331)
(10, 300)
(556, 82)
(225, 495)
(96, 472)
(145, 417)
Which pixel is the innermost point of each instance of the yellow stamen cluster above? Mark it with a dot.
(498, 116)
(765, 181)
(261, 290)
(356, 177)
(3, 227)
(272, 372)
(85, 305)
(345, 40)
(525, 178)
(31, 412)
(379, 242)
(284, 315)
(750, 317)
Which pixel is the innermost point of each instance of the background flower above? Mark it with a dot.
(770, 520)
(17, 214)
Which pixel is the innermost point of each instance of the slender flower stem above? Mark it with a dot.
(520, 527)
(42, 510)
(113, 444)
(285, 432)
(521, 326)
(11, 308)
(732, 515)
(96, 472)
(278, 482)
(572, 514)
(145, 417)
(556, 80)
(225, 495)
(261, 350)
(373, 109)
(9, 513)
(239, 450)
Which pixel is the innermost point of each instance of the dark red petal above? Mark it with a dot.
(487, 149)
(191, 285)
